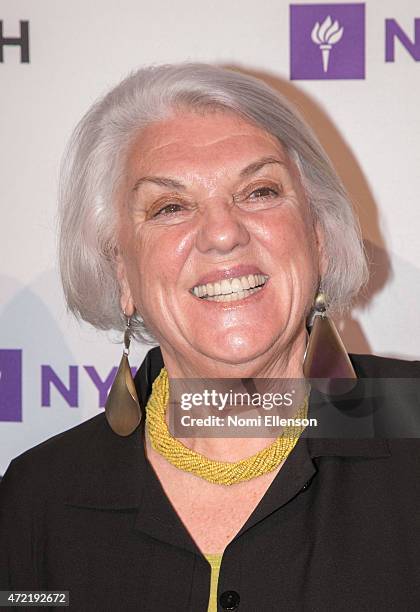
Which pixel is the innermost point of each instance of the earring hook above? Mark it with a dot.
(127, 333)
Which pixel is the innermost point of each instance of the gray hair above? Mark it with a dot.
(94, 164)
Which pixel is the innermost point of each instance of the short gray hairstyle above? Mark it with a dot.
(96, 156)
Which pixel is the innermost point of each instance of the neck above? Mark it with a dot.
(273, 364)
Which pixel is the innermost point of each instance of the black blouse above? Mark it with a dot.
(338, 530)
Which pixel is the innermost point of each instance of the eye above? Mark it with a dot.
(263, 192)
(168, 209)
(260, 196)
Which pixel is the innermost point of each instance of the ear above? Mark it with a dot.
(320, 245)
(126, 298)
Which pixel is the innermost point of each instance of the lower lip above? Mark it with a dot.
(235, 303)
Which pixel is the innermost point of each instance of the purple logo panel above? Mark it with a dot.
(327, 41)
(11, 385)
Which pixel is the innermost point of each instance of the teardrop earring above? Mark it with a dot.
(122, 408)
(326, 361)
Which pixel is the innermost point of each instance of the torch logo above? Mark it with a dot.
(325, 35)
(327, 41)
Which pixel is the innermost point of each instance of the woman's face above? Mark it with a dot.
(218, 251)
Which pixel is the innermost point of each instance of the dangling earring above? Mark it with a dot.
(122, 408)
(326, 360)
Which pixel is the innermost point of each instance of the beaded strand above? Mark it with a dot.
(217, 472)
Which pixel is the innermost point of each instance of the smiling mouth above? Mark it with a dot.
(232, 289)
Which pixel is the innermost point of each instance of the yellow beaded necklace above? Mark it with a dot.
(217, 472)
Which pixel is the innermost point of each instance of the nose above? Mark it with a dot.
(221, 228)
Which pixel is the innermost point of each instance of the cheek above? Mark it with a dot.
(290, 246)
(159, 255)
(287, 238)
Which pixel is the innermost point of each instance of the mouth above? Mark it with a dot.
(230, 289)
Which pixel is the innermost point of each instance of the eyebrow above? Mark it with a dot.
(260, 163)
(163, 181)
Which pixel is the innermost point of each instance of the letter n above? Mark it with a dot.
(70, 392)
(392, 31)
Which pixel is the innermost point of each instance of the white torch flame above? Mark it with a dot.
(325, 35)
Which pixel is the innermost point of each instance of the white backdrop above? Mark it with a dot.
(370, 127)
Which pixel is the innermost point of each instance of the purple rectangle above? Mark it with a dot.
(11, 385)
(327, 41)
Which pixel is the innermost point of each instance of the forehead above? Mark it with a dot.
(209, 143)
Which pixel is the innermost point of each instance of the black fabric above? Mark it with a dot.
(338, 530)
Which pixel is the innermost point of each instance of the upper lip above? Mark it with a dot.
(226, 273)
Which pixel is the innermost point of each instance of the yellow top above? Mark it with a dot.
(215, 562)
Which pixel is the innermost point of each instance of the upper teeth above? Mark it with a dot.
(231, 285)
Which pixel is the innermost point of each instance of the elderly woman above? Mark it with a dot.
(199, 211)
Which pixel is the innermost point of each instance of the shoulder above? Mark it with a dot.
(372, 366)
(400, 398)
(64, 446)
(55, 458)
(88, 464)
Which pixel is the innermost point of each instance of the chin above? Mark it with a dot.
(237, 349)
